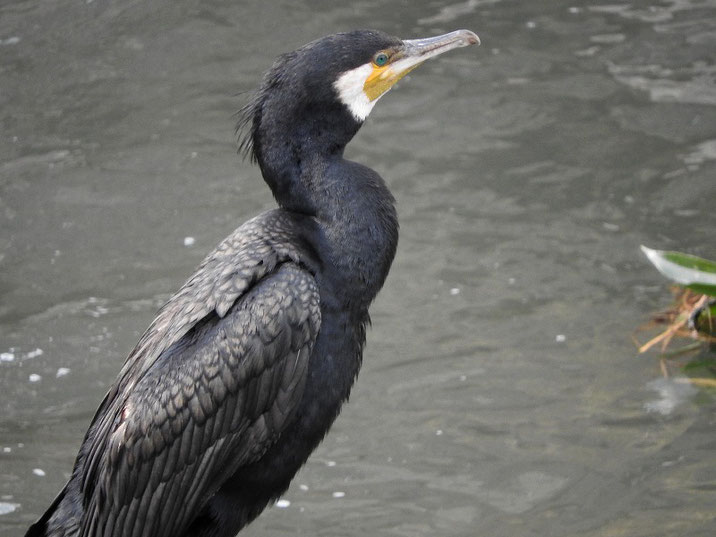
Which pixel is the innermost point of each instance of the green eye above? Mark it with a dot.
(380, 59)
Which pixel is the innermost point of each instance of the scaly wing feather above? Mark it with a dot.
(213, 401)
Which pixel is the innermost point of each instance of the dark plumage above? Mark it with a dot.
(245, 368)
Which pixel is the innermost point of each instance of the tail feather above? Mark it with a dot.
(40, 528)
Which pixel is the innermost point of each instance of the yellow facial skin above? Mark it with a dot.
(384, 77)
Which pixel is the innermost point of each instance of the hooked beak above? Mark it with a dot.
(423, 49)
(411, 54)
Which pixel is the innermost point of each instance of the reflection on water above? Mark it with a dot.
(671, 395)
(501, 394)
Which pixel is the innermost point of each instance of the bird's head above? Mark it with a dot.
(321, 93)
(384, 62)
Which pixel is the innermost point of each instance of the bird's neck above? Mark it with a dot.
(294, 144)
(350, 203)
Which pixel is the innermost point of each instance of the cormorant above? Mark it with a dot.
(245, 368)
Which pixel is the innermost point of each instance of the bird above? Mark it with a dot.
(243, 371)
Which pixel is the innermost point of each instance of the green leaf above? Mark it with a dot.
(688, 270)
(703, 288)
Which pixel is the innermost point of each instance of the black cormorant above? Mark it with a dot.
(245, 368)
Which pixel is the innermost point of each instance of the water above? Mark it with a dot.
(501, 393)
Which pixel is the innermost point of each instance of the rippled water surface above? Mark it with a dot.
(501, 393)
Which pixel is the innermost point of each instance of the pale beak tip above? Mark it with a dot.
(469, 38)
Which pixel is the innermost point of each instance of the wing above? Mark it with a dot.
(216, 399)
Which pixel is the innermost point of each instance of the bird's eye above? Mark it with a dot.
(380, 59)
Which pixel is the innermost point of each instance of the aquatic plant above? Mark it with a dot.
(692, 315)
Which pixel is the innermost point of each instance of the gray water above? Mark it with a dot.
(501, 393)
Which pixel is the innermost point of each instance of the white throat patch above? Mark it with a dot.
(350, 91)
